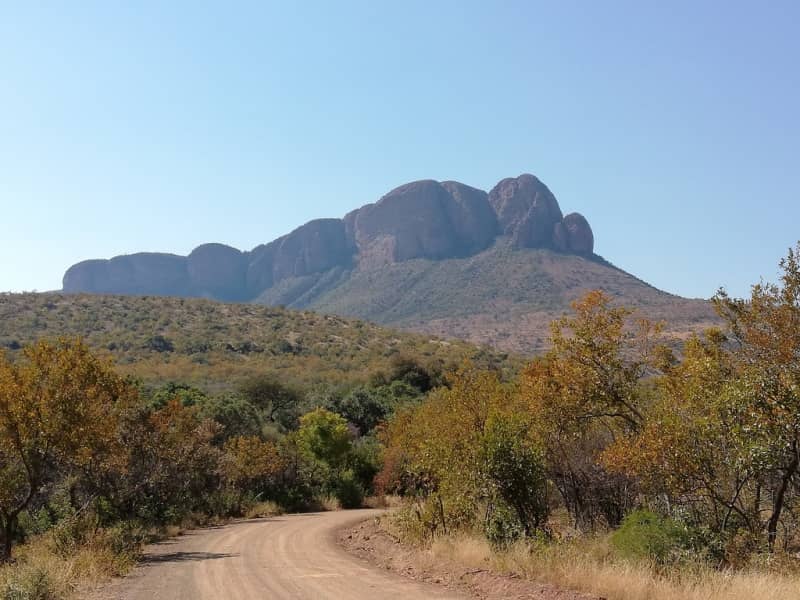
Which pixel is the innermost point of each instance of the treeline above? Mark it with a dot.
(694, 455)
(84, 449)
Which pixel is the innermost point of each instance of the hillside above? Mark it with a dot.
(503, 297)
(434, 257)
(215, 345)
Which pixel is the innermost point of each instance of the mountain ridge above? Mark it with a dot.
(421, 219)
(437, 258)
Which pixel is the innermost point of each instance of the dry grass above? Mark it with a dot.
(263, 509)
(40, 572)
(383, 502)
(587, 566)
(329, 503)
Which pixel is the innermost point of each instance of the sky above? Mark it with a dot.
(674, 127)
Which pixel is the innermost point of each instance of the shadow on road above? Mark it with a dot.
(177, 557)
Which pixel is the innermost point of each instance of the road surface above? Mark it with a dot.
(288, 557)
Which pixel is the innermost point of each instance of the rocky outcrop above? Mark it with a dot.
(580, 239)
(471, 216)
(526, 210)
(409, 222)
(529, 213)
(146, 273)
(423, 219)
(316, 246)
(217, 271)
(312, 248)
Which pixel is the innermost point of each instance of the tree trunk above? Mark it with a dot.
(777, 506)
(7, 539)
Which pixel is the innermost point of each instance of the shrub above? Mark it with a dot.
(646, 535)
(32, 582)
(502, 526)
(516, 468)
(348, 491)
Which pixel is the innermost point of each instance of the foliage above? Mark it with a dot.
(723, 439)
(326, 437)
(348, 490)
(516, 469)
(216, 347)
(277, 402)
(57, 416)
(477, 425)
(586, 392)
(250, 463)
(646, 535)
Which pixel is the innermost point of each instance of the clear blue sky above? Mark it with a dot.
(127, 126)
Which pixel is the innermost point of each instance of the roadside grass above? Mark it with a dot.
(329, 502)
(589, 565)
(263, 509)
(44, 569)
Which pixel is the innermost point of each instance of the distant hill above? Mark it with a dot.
(442, 258)
(215, 345)
(502, 297)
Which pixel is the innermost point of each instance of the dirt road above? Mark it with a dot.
(292, 556)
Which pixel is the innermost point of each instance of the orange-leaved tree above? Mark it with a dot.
(58, 408)
(725, 437)
(586, 392)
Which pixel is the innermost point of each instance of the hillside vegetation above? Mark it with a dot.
(615, 466)
(215, 345)
(440, 258)
(503, 297)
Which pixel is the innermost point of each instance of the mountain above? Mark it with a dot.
(438, 257)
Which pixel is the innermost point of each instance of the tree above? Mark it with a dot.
(326, 437)
(234, 413)
(463, 451)
(186, 394)
(585, 392)
(691, 454)
(277, 402)
(765, 331)
(515, 466)
(363, 407)
(58, 414)
(249, 463)
(724, 437)
(171, 462)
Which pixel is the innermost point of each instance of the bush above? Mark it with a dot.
(32, 582)
(348, 491)
(646, 535)
(516, 467)
(502, 527)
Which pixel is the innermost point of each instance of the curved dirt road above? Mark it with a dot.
(291, 556)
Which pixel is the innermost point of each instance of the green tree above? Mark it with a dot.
(277, 402)
(326, 437)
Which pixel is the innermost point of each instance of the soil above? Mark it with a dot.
(371, 542)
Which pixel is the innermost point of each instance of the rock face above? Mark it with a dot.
(144, 273)
(526, 210)
(316, 246)
(423, 219)
(217, 271)
(471, 216)
(409, 222)
(579, 234)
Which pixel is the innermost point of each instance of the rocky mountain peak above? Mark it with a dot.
(419, 220)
